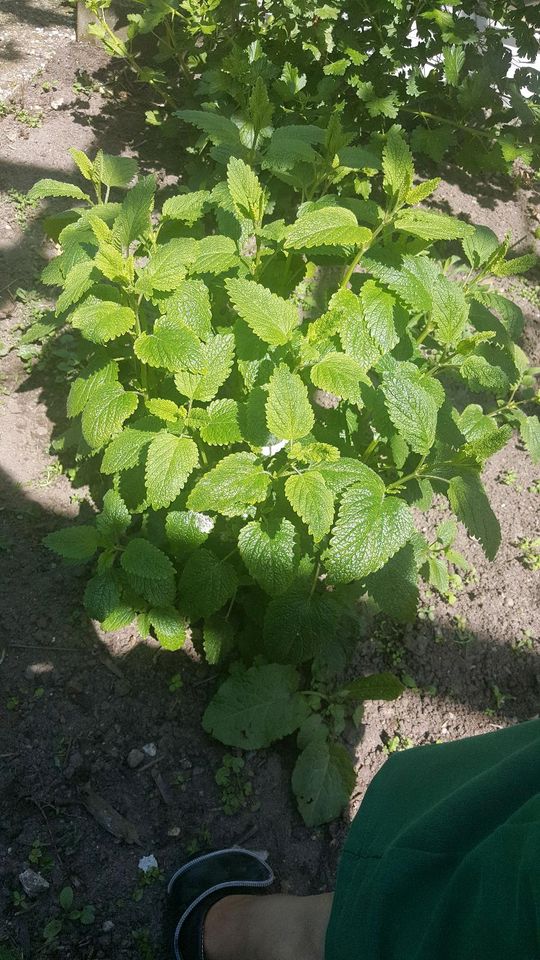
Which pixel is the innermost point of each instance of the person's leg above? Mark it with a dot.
(275, 927)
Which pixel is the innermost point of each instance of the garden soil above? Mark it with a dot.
(75, 703)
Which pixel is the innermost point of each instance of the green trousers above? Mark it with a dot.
(442, 861)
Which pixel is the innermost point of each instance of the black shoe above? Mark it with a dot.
(200, 883)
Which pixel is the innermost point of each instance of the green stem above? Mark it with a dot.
(370, 448)
(350, 270)
(315, 578)
(425, 332)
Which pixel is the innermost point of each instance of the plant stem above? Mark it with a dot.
(315, 578)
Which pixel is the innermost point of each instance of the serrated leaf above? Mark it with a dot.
(221, 425)
(190, 304)
(369, 530)
(253, 708)
(296, 627)
(83, 162)
(114, 518)
(78, 282)
(511, 268)
(215, 255)
(164, 409)
(87, 383)
(379, 312)
(211, 371)
(269, 555)
(218, 639)
(107, 409)
(450, 311)
(289, 414)
(169, 463)
(413, 281)
(529, 429)
(340, 374)
(218, 128)
(187, 207)
(323, 780)
(479, 245)
(376, 686)
(484, 376)
(171, 345)
(56, 188)
(206, 584)
(102, 320)
(103, 602)
(143, 559)
(328, 226)
(311, 499)
(133, 221)
(187, 530)
(395, 587)
(397, 167)
(124, 452)
(167, 266)
(411, 408)
(270, 317)
(117, 171)
(422, 191)
(73, 543)
(453, 60)
(341, 474)
(438, 574)
(245, 190)
(233, 484)
(169, 627)
(470, 504)
(432, 226)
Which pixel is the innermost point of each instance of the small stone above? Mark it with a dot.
(57, 102)
(33, 883)
(174, 832)
(510, 602)
(134, 758)
(150, 749)
(107, 926)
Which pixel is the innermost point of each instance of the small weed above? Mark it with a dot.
(527, 292)
(22, 205)
(146, 878)
(201, 841)
(181, 779)
(236, 789)
(85, 915)
(529, 554)
(141, 939)
(387, 639)
(39, 857)
(12, 703)
(461, 634)
(176, 683)
(8, 952)
(20, 901)
(524, 643)
(534, 486)
(84, 85)
(48, 475)
(508, 478)
(499, 697)
(396, 743)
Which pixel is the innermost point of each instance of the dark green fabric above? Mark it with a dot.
(442, 861)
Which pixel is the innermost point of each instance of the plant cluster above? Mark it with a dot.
(438, 69)
(269, 392)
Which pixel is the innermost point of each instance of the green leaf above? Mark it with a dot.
(218, 128)
(221, 425)
(83, 162)
(188, 207)
(297, 627)
(187, 530)
(105, 413)
(190, 304)
(269, 556)
(167, 266)
(133, 221)
(171, 345)
(411, 406)
(377, 686)
(74, 543)
(114, 518)
(102, 602)
(327, 226)
(511, 268)
(484, 376)
(379, 312)
(395, 587)
(231, 486)
(450, 311)
(78, 282)
(369, 530)
(432, 226)
(56, 188)
(311, 499)
(143, 559)
(66, 898)
(413, 282)
(270, 317)
(470, 504)
(215, 255)
(117, 171)
(323, 780)
(124, 452)
(529, 429)
(340, 374)
(289, 414)
(438, 574)
(85, 385)
(245, 190)
(218, 639)
(454, 60)
(102, 320)
(397, 166)
(169, 627)
(164, 409)
(211, 371)
(479, 245)
(169, 463)
(422, 191)
(206, 584)
(342, 474)
(253, 708)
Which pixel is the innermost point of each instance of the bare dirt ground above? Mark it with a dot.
(75, 702)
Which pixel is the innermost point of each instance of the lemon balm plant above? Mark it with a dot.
(265, 452)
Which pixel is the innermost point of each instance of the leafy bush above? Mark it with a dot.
(269, 421)
(439, 70)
